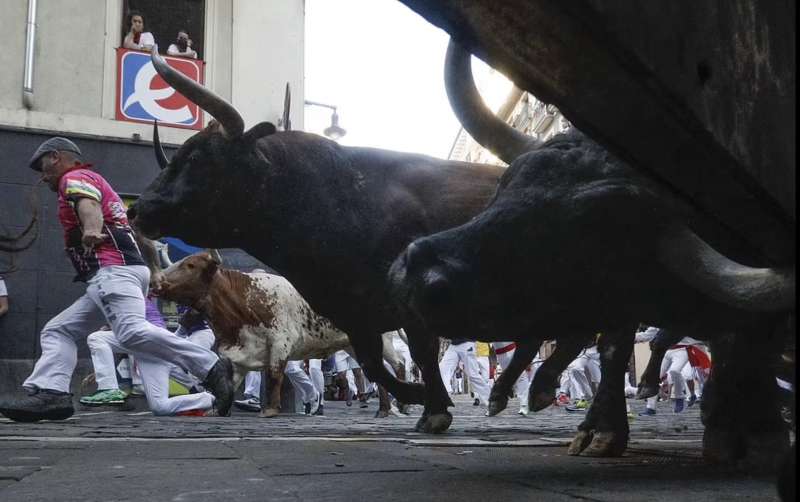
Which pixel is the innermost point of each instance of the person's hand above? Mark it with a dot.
(188, 42)
(91, 238)
(156, 282)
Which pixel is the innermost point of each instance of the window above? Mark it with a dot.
(165, 19)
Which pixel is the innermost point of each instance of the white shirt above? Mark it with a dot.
(173, 50)
(146, 40)
(3, 290)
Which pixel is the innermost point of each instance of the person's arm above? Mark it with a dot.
(151, 259)
(3, 305)
(127, 42)
(173, 50)
(91, 216)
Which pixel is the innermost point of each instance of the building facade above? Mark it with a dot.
(60, 65)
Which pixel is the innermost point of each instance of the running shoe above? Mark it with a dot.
(105, 397)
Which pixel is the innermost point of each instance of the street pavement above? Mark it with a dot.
(347, 455)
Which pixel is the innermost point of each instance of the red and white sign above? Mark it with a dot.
(143, 96)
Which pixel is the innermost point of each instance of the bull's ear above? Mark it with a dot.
(259, 131)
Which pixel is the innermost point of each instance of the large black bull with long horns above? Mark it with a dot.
(577, 242)
(330, 218)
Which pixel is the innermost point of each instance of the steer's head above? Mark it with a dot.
(187, 281)
(194, 196)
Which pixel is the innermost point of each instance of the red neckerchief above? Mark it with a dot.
(136, 37)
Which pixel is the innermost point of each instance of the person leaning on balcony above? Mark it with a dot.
(182, 46)
(137, 38)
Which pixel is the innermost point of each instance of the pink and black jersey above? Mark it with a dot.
(120, 248)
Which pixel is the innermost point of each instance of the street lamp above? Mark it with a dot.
(334, 131)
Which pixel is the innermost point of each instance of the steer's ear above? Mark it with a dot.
(258, 131)
(215, 256)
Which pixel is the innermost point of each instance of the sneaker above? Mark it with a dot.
(136, 391)
(580, 405)
(105, 397)
(249, 403)
(320, 411)
(219, 382)
(477, 402)
(679, 405)
(562, 400)
(306, 408)
(648, 412)
(523, 410)
(631, 417)
(313, 406)
(692, 401)
(40, 404)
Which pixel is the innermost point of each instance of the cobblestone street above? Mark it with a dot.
(349, 455)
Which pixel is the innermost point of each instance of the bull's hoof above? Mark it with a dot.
(606, 444)
(404, 408)
(645, 391)
(541, 400)
(381, 414)
(579, 442)
(269, 413)
(434, 424)
(496, 405)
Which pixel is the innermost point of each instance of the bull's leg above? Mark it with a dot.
(650, 383)
(274, 382)
(604, 432)
(424, 348)
(369, 354)
(501, 390)
(740, 406)
(542, 391)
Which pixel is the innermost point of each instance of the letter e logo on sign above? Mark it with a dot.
(143, 96)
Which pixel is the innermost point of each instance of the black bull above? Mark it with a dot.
(331, 219)
(576, 242)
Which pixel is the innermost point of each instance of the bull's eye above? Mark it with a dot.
(189, 266)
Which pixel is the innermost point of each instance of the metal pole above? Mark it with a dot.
(30, 43)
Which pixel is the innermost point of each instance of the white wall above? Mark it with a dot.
(268, 48)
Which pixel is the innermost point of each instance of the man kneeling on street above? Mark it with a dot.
(106, 256)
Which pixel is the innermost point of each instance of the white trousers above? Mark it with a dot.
(672, 366)
(154, 372)
(301, 381)
(588, 361)
(522, 383)
(317, 378)
(344, 361)
(464, 352)
(116, 293)
(252, 384)
(294, 372)
(402, 350)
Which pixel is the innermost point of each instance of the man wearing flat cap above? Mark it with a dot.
(101, 245)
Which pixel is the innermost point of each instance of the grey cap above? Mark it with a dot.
(56, 144)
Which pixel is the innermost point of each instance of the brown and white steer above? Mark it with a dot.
(260, 321)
